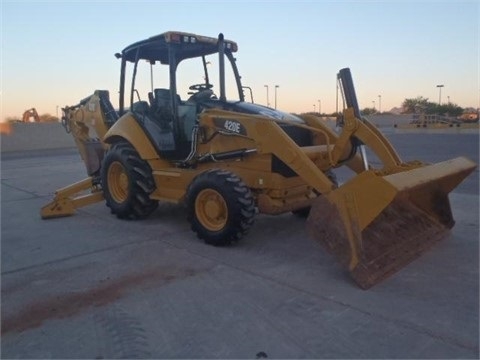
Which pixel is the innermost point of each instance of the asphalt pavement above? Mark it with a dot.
(95, 287)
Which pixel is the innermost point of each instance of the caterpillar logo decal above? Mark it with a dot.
(230, 125)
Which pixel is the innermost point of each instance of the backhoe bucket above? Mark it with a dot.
(375, 225)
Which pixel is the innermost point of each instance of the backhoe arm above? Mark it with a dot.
(88, 122)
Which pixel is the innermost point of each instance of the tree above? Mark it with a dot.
(450, 109)
(418, 104)
(368, 111)
(421, 105)
(12, 119)
(48, 118)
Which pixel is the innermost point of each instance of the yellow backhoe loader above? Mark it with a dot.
(228, 159)
(29, 114)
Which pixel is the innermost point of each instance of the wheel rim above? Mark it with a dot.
(117, 182)
(211, 209)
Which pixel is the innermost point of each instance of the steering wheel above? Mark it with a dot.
(203, 93)
(201, 87)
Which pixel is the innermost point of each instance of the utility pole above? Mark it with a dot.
(276, 87)
(380, 103)
(319, 106)
(440, 94)
(268, 101)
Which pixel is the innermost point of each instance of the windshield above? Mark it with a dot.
(191, 77)
(191, 72)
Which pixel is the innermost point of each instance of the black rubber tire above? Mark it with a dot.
(233, 195)
(134, 202)
(304, 212)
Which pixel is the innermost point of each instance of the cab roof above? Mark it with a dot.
(187, 45)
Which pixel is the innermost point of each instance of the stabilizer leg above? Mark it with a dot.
(68, 199)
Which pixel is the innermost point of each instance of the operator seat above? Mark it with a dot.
(141, 109)
(160, 132)
(162, 108)
(162, 98)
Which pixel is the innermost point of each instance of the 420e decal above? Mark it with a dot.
(230, 125)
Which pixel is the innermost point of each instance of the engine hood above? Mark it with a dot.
(256, 109)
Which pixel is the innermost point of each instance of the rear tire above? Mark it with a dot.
(127, 182)
(220, 207)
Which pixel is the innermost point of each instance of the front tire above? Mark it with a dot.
(220, 207)
(127, 182)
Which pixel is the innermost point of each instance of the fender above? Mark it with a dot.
(127, 128)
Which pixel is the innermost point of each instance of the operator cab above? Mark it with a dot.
(162, 97)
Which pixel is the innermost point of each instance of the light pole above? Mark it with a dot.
(313, 107)
(268, 102)
(319, 106)
(379, 103)
(440, 94)
(276, 87)
(448, 98)
(373, 102)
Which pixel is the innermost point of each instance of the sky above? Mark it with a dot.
(55, 53)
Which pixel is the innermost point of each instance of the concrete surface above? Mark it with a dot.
(92, 286)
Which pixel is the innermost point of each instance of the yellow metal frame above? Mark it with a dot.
(86, 123)
(67, 200)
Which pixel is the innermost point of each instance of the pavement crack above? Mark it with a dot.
(76, 256)
(33, 194)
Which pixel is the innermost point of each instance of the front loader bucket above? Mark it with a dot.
(375, 225)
